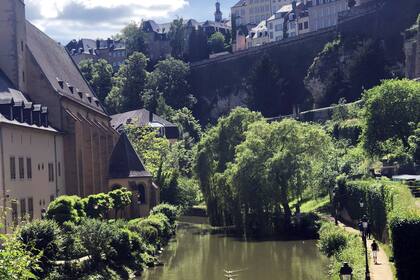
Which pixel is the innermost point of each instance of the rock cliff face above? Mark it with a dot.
(219, 83)
(412, 51)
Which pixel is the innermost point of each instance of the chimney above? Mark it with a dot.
(13, 41)
(44, 116)
(98, 44)
(150, 116)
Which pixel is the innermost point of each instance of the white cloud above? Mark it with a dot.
(67, 19)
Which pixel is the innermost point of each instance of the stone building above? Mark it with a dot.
(324, 13)
(145, 118)
(113, 51)
(43, 71)
(31, 157)
(254, 11)
(127, 170)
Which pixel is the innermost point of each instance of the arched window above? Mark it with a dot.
(142, 193)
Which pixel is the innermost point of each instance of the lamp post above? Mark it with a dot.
(346, 272)
(364, 228)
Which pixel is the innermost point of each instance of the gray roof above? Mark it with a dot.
(59, 68)
(240, 3)
(8, 92)
(137, 117)
(124, 162)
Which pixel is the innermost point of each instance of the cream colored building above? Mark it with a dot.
(31, 158)
(254, 11)
(258, 36)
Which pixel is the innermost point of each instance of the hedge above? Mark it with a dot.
(342, 246)
(406, 246)
(392, 211)
(383, 200)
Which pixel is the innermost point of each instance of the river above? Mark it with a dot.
(196, 254)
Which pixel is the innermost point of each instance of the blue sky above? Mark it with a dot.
(64, 20)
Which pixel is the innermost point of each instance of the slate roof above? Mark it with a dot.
(124, 162)
(8, 92)
(137, 117)
(59, 68)
(240, 3)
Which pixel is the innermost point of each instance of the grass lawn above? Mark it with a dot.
(314, 205)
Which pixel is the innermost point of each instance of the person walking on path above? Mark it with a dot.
(375, 249)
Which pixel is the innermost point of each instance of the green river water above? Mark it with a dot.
(196, 254)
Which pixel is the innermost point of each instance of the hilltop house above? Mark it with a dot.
(56, 138)
(113, 51)
(145, 118)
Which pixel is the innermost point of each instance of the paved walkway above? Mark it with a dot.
(380, 271)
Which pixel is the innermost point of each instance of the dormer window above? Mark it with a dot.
(97, 103)
(80, 94)
(60, 83)
(71, 88)
(89, 99)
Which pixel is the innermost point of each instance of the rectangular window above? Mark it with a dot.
(306, 25)
(300, 26)
(29, 168)
(14, 213)
(50, 172)
(59, 169)
(31, 208)
(51, 198)
(23, 208)
(12, 168)
(21, 168)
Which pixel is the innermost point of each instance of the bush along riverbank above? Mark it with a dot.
(342, 246)
(393, 216)
(71, 244)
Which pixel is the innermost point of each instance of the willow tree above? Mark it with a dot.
(215, 151)
(275, 164)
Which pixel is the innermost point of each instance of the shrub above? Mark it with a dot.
(95, 236)
(98, 205)
(72, 244)
(332, 240)
(406, 246)
(15, 261)
(121, 247)
(121, 198)
(170, 211)
(42, 236)
(66, 208)
(343, 247)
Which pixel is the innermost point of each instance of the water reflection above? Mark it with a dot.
(197, 254)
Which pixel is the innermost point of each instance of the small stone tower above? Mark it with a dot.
(218, 15)
(13, 41)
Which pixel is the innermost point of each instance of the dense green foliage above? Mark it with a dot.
(134, 38)
(99, 76)
(98, 205)
(197, 45)
(344, 68)
(169, 82)
(216, 42)
(16, 263)
(114, 248)
(250, 170)
(128, 83)
(177, 38)
(392, 113)
(406, 247)
(342, 246)
(121, 198)
(66, 208)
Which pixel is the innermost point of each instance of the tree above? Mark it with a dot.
(134, 38)
(188, 125)
(98, 205)
(215, 151)
(86, 67)
(265, 87)
(391, 110)
(169, 80)
(217, 42)
(128, 83)
(98, 75)
(275, 164)
(121, 198)
(177, 37)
